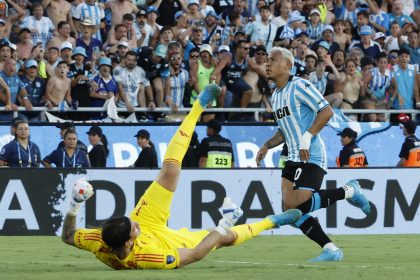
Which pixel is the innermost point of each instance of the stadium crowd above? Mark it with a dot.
(161, 53)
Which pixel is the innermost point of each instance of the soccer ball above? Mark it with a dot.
(82, 190)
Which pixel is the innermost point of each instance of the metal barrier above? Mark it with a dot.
(256, 111)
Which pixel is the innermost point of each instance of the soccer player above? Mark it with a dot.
(143, 241)
(301, 112)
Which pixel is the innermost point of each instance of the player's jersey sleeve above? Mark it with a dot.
(88, 239)
(156, 258)
(308, 94)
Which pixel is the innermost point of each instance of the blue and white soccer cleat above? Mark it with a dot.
(208, 94)
(329, 255)
(231, 213)
(359, 199)
(288, 217)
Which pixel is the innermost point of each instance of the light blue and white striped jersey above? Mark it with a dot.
(295, 107)
(178, 83)
(44, 26)
(379, 82)
(94, 13)
(320, 84)
(315, 32)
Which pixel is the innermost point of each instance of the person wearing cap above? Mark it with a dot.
(200, 72)
(99, 151)
(181, 24)
(231, 68)
(17, 89)
(144, 32)
(80, 74)
(328, 37)
(66, 52)
(107, 86)
(63, 35)
(193, 11)
(148, 156)
(21, 152)
(366, 44)
(132, 83)
(292, 27)
(404, 84)
(301, 112)
(25, 44)
(215, 151)
(41, 27)
(351, 155)
(63, 128)
(87, 40)
(191, 39)
(212, 31)
(315, 26)
(69, 155)
(380, 39)
(410, 150)
(91, 11)
(207, 9)
(262, 32)
(35, 87)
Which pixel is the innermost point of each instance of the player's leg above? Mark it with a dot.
(178, 146)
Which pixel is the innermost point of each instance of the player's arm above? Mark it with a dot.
(82, 191)
(274, 141)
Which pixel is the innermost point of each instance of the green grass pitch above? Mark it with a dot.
(382, 257)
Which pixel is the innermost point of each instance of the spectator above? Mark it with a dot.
(41, 27)
(99, 152)
(191, 157)
(81, 75)
(380, 39)
(132, 84)
(167, 10)
(5, 97)
(378, 18)
(7, 20)
(58, 92)
(351, 155)
(410, 150)
(376, 80)
(315, 26)
(397, 15)
(181, 23)
(147, 157)
(35, 88)
(25, 44)
(233, 28)
(262, 32)
(123, 31)
(52, 57)
(119, 8)
(395, 37)
(107, 86)
(212, 31)
(348, 11)
(291, 29)
(152, 16)
(58, 11)
(328, 37)
(194, 41)
(193, 11)
(215, 151)
(339, 59)
(88, 41)
(239, 8)
(285, 9)
(63, 35)
(69, 126)
(66, 52)
(21, 152)
(5, 53)
(404, 83)
(17, 89)
(366, 44)
(175, 85)
(92, 11)
(310, 62)
(352, 87)
(341, 38)
(69, 155)
(393, 58)
(362, 20)
(413, 47)
(144, 32)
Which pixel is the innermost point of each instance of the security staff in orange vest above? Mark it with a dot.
(410, 150)
(351, 155)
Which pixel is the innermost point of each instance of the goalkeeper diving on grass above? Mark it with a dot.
(143, 241)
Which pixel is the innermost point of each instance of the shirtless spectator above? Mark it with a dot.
(25, 44)
(119, 8)
(58, 87)
(63, 36)
(118, 33)
(5, 53)
(7, 21)
(58, 10)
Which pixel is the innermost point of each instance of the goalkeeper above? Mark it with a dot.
(143, 241)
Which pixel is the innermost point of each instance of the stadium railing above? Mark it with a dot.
(255, 111)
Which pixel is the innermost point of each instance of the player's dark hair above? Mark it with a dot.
(116, 231)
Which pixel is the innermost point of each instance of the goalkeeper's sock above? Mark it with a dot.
(248, 231)
(74, 207)
(180, 142)
(312, 229)
(322, 199)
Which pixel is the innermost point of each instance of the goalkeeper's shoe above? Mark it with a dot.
(359, 199)
(288, 217)
(208, 94)
(82, 191)
(329, 255)
(231, 213)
